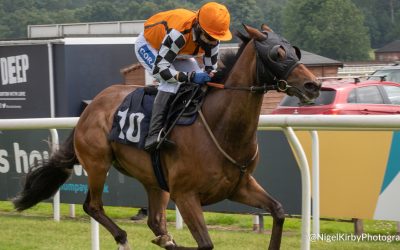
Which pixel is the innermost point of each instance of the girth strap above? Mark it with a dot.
(156, 162)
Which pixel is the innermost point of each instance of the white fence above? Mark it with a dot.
(287, 123)
(359, 70)
(95, 28)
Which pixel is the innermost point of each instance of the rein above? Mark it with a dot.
(242, 167)
(281, 86)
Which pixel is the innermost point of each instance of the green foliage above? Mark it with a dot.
(104, 11)
(383, 19)
(272, 13)
(332, 28)
(340, 29)
(244, 11)
(17, 21)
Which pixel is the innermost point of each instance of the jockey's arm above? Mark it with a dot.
(210, 58)
(172, 43)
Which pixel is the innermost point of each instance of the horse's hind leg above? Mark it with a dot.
(97, 166)
(251, 193)
(93, 206)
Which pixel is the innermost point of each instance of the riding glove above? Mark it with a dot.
(199, 77)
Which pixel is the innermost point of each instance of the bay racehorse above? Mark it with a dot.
(212, 160)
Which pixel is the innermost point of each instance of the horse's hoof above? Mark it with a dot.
(124, 246)
(164, 241)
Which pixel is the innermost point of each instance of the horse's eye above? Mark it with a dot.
(276, 54)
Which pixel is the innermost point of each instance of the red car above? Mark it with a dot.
(348, 97)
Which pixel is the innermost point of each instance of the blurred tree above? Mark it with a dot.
(147, 9)
(9, 6)
(382, 17)
(17, 21)
(244, 11)
(332, 28)
(63, 16)
(272, 13)
(98, 12)
(131, 12)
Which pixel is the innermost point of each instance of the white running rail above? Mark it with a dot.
(287, 123)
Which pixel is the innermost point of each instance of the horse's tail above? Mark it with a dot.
(45, 178)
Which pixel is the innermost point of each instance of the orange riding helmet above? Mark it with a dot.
(214, 19)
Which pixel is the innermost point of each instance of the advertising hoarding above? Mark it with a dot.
(24, 87)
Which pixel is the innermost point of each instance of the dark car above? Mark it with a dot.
(348, 97)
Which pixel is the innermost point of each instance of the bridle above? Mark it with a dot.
(271, 74)
(270, 71)
(279, 85)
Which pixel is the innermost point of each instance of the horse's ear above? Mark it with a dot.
(255, 33)
(242, 36)
(298, 52)
(265, 27)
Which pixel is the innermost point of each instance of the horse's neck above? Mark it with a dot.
(233, 114)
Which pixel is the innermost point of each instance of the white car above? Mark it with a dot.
(387, 73)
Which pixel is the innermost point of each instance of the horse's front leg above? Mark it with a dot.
(251, 193)
(157, 222)
(192, 213)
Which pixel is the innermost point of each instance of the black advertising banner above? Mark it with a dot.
(20, 149)
(24, 81)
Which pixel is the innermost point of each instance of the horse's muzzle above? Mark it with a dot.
(312, 89)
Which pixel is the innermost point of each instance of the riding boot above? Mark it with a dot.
(142, 213)
(159, 113)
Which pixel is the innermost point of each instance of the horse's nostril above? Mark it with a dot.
(312, 86)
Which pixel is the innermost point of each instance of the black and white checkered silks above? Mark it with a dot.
(168, 62)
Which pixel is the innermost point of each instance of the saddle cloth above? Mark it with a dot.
(132, 119)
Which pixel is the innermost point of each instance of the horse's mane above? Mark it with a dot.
(229, 59)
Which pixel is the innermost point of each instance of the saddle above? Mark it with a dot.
(184, 107)
(132, 119)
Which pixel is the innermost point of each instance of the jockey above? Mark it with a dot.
(167, 48)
